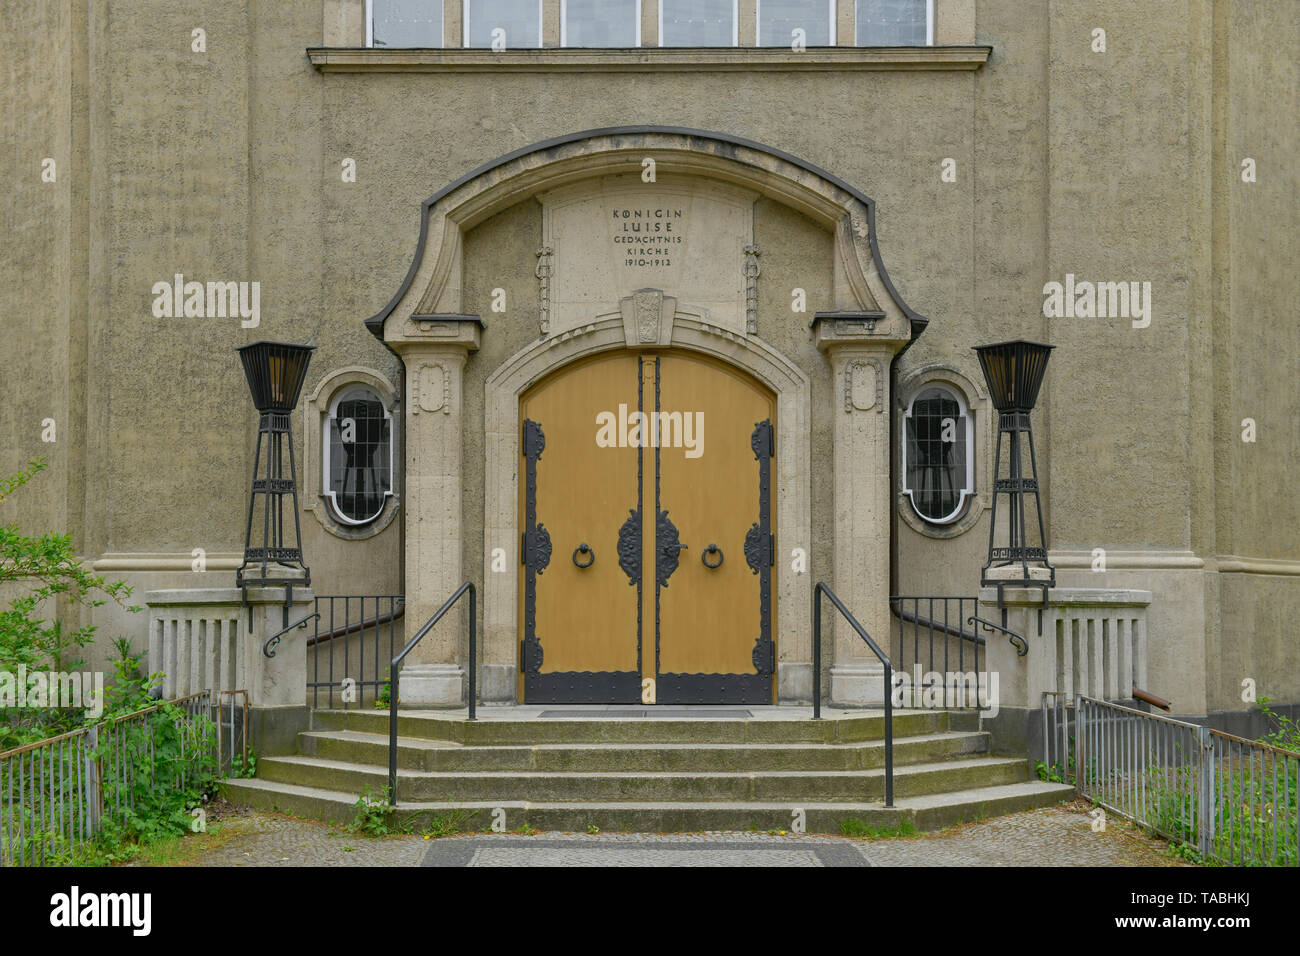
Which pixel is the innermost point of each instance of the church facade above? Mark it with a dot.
(645, 317)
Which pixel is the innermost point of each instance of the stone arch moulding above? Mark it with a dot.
(433, 286)
(691, 331)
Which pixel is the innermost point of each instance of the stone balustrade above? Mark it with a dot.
(1089, 641)
(201, 639)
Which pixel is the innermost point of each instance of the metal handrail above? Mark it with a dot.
(1149, 698)
(393, 675)
(274, 639)
(1018, 640)
(818, 591)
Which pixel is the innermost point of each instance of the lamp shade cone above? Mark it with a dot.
(275, 372)
(1014, 372)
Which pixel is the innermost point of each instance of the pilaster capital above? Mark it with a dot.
(436, 334)
(863, 333)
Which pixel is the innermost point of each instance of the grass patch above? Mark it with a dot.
(188, 849)
(447, 824)
(861, 830)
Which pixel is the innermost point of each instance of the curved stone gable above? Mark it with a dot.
(432, 284)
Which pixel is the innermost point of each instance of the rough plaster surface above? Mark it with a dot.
(1123, 165)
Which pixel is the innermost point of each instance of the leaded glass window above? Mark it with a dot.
(358, 456)
(938, 466)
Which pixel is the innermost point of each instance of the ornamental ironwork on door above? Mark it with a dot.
(570, 685)
(624, 611)
(735, 686)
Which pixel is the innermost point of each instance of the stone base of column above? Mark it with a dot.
(794, 682)
(431, 685)
(857, 685)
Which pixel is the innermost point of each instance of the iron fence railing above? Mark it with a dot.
(231, 718)
(355, 640)
(939, 659)
(1233, 800)
(55, 794)
(1057, 744)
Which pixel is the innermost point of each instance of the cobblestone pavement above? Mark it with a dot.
(1054, 836)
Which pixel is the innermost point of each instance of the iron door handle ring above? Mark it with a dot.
(709, 550)
(584, 548)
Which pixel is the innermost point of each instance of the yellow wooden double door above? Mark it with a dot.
(645, 497)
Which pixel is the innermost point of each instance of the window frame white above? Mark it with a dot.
(541, 27)
(370, 29)
(968, 491)
(758, 25)
(564, 29)
(929, 24)
(344, 392)
(735, 26)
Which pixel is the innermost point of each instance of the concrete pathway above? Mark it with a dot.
(1054, 836)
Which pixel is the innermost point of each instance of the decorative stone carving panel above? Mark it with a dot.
(648, 317)
(864, 386)
(545, 255)
(430, 389)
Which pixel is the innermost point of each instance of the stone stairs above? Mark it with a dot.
(650, 774)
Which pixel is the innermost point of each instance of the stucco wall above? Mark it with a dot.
(36, 102)
(225, 165)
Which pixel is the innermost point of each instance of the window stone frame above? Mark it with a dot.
(980, 411)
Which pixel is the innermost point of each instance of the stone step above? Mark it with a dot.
(843, 727)
(790, 787)
(925, 812)
(417, 754)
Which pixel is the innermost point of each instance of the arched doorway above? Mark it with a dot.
(703, 295)
(645, 499)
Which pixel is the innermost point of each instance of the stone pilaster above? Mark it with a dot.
(434, 349)
(860, 347)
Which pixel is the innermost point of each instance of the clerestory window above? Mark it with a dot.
(689, 23)
(600, 23)
(503, 24)
(796, 22)
(404, 23)
(895, 23)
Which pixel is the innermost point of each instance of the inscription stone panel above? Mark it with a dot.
(618, 235)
